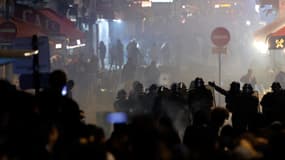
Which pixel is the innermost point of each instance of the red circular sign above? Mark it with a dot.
(8, 32)
(220, 36)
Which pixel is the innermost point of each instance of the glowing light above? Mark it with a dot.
(183, 6)
(257, 8)
(100, 20)
(73, 19)
(117, 20)
(75, 46)
(146, 4)
(189, 14)
(223, 5)
(78, 41)
(248, 23)
(261, 47)
(161, 1)
(262, 23)
(64, 91)
(58, 45)
(27, 54)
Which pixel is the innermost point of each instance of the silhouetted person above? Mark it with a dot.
(128, 73)
(154, 50)
(137, 98)
(230, 95)
(122, 104)
(93, 65)
(151, 96)
(280, 77)
(113, 57)
(119, 54)
(243, 116)
(273, 103)
(200, 137)
(151, 74)
(165, 54)
(102, 53)
(200, 98)
(249, 78)
(133, 52)
(56, 107)
(218, 117)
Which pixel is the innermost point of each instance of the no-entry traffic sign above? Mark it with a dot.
(220, 36)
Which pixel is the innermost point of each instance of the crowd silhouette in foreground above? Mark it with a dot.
(176, 123)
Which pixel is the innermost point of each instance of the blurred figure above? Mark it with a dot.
(182, 91)
(273, 103)
(54, 107)
(128, 73)
(249, 78)
(93, 65)
(119, 54)
(231, 95)
(113, 57)
(102, 53)
(218, 117)
(243, 116)
(121, 104)
(199, 137)
(200, 99)
(57, 81)
(165, 54)
(280, 77)
(137, 98)
(133, 52)
(151, 96)
(54, 99)
(151, 74)
(154, 52)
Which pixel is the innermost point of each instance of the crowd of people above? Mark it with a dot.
(163, 123)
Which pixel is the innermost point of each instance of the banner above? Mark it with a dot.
(277, 42)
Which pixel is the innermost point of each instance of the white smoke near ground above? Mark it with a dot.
(191, 50)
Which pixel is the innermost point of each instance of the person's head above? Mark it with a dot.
(276, 86)
(235, 86)
(153, 88)
(57, 79)
(199, 82)
(137, 86)
(173, 87)
(247, 88)
(219, 115)
(122, 94)
(153, 63)
(182, 86)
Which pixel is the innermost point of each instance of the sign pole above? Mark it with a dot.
(220, 76)
(220, 37)
(36, 72)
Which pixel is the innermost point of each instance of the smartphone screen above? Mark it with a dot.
(117, 117)
(64, 91)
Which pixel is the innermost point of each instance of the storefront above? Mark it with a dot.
(63, 36)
